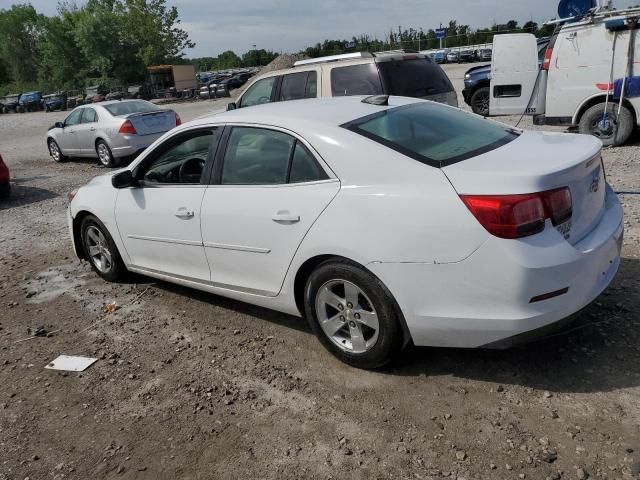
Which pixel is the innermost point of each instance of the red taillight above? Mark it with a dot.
(517, 216)
(127, 128)
(178, 121)
(547, 59)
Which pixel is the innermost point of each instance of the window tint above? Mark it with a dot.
(259, 92)
(255, 156)
(355, 80)
(73, 118)
(131, 106)
(418, 78)
(304, 167)
(432, 133)
(298, 85)
(89, 116)
(183, 162)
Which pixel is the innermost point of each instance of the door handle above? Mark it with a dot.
(285, 217)
(184, 213)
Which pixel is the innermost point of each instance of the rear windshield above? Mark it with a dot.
(433, 134)
(419, 78)
(126, 108)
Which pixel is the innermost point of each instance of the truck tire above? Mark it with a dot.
(480, 101)
(614, 131)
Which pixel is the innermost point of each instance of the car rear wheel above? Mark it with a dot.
(611, 129)
(5, 190)
(104, 154)
(480, 101)
(55, 152)
(353, 314)
(100, 250)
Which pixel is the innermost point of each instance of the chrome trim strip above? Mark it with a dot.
(166, 240)
(238, 248)
(196, 283)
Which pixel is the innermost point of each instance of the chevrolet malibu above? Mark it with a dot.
(109, 131)
(381, 220)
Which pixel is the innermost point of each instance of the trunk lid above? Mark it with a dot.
(537, 162)
(152, 122)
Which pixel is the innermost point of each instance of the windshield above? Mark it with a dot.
(418, 78)
(127, 108)
(432, 133)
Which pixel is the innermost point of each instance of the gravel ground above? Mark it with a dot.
(190, 385)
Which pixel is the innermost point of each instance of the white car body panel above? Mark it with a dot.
(455, 284)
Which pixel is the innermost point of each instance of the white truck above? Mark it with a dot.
(586, 80)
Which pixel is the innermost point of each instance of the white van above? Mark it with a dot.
(588, 64)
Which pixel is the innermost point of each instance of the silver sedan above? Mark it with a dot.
(109, 130)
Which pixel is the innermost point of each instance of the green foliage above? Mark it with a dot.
(20, 31)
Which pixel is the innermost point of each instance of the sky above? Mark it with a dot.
(292, 25)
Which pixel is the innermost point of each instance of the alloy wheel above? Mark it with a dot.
(347, 316)
(104, 154)
(98, 249)
(54, 151)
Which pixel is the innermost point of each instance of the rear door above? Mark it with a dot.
(299, 85)
(514, 70)
(269, 190)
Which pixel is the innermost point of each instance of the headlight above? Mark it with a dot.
(467, 76)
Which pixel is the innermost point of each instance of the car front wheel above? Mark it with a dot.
(100, 250)
(353, 314)
(480, 101)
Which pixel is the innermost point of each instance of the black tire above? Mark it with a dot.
(480, 101)
(373, 295)
(53, 145)
(113, 270)
(615, 130)
(5, 190)
(105, 156)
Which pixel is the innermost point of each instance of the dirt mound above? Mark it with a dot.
(283, 61)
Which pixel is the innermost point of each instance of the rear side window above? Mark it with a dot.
(89, 116)
(304, 168)
(432, 133)
(259, 93)
(295, 86)
(418, 78)
(355, 80)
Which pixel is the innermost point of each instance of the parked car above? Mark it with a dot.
(477, 82)
(466, 56)
(440, 57)
(5, 177)
(30, 102)
(453, 57)
(394, 73)
(484, 55)
(95, 94)
(118, 93)
(54, 101)
(209, 88)
(380, 220)
(222, 88)
(11, 103)
(109, 130)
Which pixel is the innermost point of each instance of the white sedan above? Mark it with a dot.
(381, 220)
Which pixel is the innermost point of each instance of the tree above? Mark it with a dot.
(20, 30)
(531, 27)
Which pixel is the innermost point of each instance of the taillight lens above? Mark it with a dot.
(178, 120)
(127, 128)
(547, 59)
(518, 216)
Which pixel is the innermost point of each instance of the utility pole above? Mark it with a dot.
(440, 37)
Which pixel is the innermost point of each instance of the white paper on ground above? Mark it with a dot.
(71, 364)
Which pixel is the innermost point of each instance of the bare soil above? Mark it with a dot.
(190, 385)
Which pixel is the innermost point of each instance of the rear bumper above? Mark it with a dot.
(488, 297)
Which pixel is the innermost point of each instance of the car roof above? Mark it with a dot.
(297, 115)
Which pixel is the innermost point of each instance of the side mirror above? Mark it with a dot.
(59, 125)
(123, 179)
(231, 106)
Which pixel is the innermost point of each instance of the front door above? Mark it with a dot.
(86, 132)
(159, 221)
(268, 191)
(68, 140)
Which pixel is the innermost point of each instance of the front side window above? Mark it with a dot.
(259, 93)
(89, 116)
(257, 156)
(182, 162)
(432, 133)
(296, 86)
(73, 118)
(355, 80)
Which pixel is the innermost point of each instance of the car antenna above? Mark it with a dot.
(380, 100)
